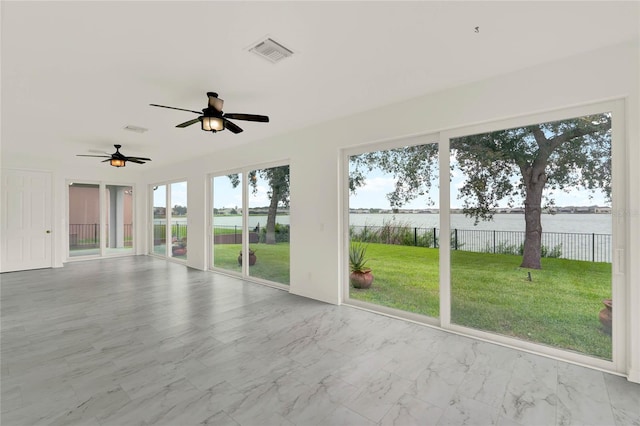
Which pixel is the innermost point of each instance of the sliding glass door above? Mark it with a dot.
(522, 248)
(531, 226)
(84, 219)
(250, 223)
(119, 219)
(160, 220)
(169, 216)
(100, 219)
(394, 230)
(227, 222)
(268, 224)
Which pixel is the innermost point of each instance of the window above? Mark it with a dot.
(84, 219)
(268, 224)
(100, 219)
(227, 222)
(394, 229)
(522, 239)
(250, 220)
(169, 212)
(531, 225)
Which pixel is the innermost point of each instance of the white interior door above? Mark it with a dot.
(26, 220)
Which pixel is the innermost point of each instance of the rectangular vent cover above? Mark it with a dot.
(271, 50)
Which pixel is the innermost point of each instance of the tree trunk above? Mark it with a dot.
(271, 216)
(535, 181)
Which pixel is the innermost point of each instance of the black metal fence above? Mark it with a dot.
(586, 246)
(87, 235)
(232, 234)
(589, 247)
(178, 231)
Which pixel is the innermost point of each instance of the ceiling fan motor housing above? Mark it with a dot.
(213, 119)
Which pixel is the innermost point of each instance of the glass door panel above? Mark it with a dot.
(268, 224)
(160, 220)
(394, 228)
(227, 222)
(531, 233)
(119, 226)
(179, 220)
(84, 219)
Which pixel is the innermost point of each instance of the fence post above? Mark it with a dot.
(415, 236)
(593, 247)
(435, 242)
(494, 241)
(95, 233)
(235, 234)
(455, 239)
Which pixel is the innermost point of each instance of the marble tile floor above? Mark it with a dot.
(142, 341)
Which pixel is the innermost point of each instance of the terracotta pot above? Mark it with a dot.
(361, 279)
(605, 315)
(252, 258)
(179, 251)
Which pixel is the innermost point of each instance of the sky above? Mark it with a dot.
(178, 194)
(378, 184)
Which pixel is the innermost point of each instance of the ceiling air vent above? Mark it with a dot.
(271, 50)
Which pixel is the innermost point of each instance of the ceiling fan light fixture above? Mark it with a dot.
(117, 162)
(212, 124)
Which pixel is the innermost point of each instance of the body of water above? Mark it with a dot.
(569, 223)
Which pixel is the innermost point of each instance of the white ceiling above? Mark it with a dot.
(75, 73)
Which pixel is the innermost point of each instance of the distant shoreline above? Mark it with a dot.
(561, 210)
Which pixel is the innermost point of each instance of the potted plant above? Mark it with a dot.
(606, 315)
(179, 247)
(252, 257)
(360, 276)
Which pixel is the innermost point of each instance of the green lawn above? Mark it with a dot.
(223, 231)
(405, 278)
(272, 260)
(490, 292)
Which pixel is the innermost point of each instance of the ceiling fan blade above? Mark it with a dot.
(179, 109)
(99, 156)
(104, 161)
(135, 161)
(137, 158)
(231, 126)
(189, 123)
(248, 117)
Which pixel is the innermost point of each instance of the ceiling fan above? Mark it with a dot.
(213, 119)
(117, 159)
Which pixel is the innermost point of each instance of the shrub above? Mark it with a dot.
(505, 248)
(281, 231)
